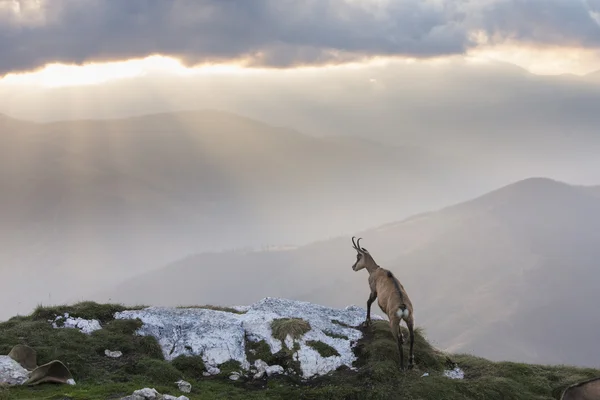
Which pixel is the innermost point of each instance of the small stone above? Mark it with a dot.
(456, 373)
(113, 354)
(234, 376)
(184, 386)
(71, 382)
(260, 365)
(213, 370)
(259, 374)
(147, 394)
(425, 374)
(274, 370)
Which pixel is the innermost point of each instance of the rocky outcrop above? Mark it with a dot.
(220, 336)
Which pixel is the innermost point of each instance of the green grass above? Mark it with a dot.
(295, 327)
(85, 310)
(340, 323)
(324, 349)
(335, 335)
(378, 375)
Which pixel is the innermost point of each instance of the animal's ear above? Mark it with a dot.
(364, 250)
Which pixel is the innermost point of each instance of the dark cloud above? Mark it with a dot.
(276, 33)
(548, 22)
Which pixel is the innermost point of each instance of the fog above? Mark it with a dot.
(326, 152)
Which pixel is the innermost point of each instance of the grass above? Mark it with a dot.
(85, 310)
(340, 323)
(284, 357)
(335, 335)
(322, 348)
(294, 327)
(377, 376)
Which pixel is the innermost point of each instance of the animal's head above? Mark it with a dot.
(363, 258)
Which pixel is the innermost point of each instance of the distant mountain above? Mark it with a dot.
(509, 275)
(88, 203)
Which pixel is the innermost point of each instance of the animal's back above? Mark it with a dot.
(587, 390)
(390, 292)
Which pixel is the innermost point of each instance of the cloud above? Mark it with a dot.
(279, 33)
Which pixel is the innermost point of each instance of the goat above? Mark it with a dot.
(586, 390)
(391, 298)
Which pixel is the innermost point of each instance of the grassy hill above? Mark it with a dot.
(376, 376)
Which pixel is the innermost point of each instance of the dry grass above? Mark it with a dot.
(295, 327)
(216, 308)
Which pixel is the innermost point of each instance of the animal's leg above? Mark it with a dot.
(370, 301)
(411, 357)
(397, 333)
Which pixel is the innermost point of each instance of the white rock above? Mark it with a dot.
(169, 397)
(259, 374)
(455, 373)
(11, 372)
(213, 370)
(219, 336)
(184, 386)
(274, 370)
(234, 376)
(425, 374)
(71, 382)
(260, 365)
(84, 325)
(113, 354)
(147, 393)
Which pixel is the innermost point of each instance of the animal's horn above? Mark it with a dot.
(353, 243)
(358, 243)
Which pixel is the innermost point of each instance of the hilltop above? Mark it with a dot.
(149, 359)
(507, 264)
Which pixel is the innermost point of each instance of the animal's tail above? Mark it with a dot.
(403, 312)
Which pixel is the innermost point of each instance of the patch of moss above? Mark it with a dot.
(340, 323)
(322, 348)
(157, 371)
(294, 327)
(335, 335)
(216, 308)
(192, 367)
(84, 309)
(228, 367)
(83, 354)
(258, 351)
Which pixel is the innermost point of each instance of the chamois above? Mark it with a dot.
(586, 390)
(391, 298)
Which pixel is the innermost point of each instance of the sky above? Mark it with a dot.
(323, 67)
(543, 36)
